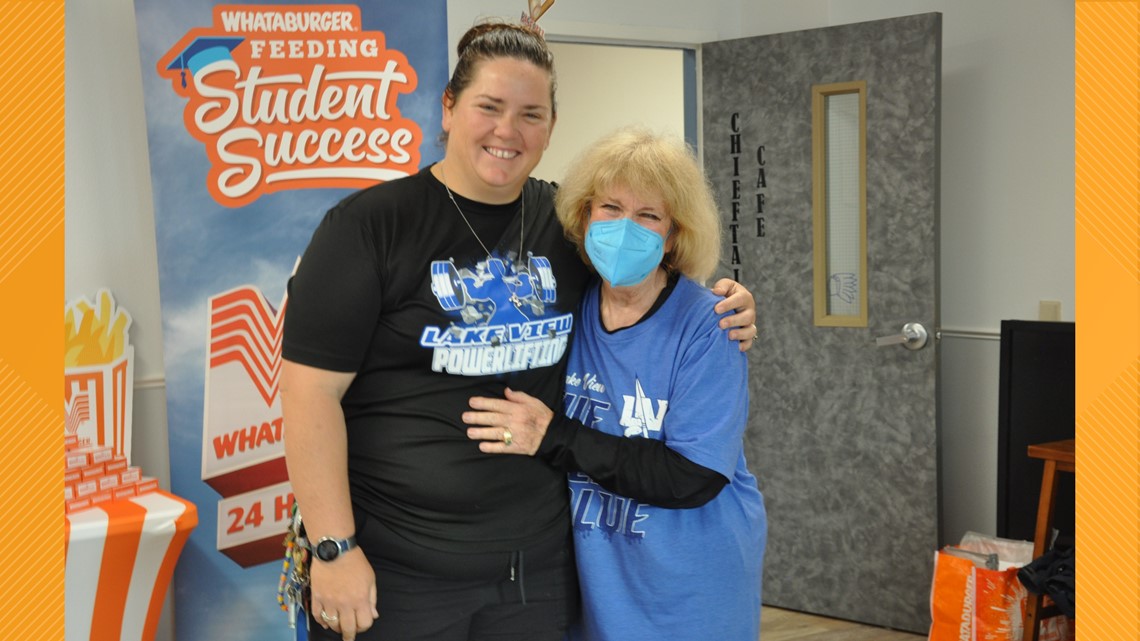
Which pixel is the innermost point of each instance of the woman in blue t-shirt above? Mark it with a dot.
(669, 524)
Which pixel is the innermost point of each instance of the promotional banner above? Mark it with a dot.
(260, 117)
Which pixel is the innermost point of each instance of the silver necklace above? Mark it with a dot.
(522, 216)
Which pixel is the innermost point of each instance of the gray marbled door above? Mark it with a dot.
(842, 436)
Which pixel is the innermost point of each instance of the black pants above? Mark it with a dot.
(427, 595)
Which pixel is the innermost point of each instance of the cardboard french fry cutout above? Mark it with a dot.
(98, 391)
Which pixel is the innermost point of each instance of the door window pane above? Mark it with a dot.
(839, 174)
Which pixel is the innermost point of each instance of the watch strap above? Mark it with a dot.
(342, 546)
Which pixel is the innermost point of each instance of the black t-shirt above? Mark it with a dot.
(395, 287)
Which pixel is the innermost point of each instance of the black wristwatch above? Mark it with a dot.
(328, 548)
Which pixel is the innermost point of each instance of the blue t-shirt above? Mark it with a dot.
(656, 573)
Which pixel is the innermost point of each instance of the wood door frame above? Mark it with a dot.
(689, 41)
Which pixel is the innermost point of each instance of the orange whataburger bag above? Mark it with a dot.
(971, 603)
(999, 607)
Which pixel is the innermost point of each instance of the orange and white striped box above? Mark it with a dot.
(87, 457)
(131, 475)
(86, 488)
(92, 472)
(109, 481)
(76, 460)
(117, 464)
(146, 484)
(102, 496)
(124, 492)
(77, 505)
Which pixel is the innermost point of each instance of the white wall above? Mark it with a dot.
(109, 214)
(646, 20)
(109, 223)
(1007, 181)
(647, 89)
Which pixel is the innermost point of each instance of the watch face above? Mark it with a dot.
(327, 550)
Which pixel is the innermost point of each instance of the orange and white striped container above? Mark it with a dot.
(120, 559)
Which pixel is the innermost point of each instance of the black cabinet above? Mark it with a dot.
(1036, 404)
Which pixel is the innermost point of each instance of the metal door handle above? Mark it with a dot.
(913, 337)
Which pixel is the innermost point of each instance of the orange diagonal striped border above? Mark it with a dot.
(1108, 318)
(31, 314)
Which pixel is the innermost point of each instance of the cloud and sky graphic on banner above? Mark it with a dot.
(260, 117)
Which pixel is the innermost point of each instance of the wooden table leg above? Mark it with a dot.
(1040, 543)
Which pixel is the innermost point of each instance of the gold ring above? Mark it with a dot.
(507, 437)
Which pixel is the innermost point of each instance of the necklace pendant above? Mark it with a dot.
(522, 223)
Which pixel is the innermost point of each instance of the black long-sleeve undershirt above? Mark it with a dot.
(641, 469)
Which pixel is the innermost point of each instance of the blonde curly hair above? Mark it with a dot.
(647, 163)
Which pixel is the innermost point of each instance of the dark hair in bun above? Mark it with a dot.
(490, 40)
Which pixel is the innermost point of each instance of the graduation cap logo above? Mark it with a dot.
(203, 51)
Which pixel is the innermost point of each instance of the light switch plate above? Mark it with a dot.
(1049, 310)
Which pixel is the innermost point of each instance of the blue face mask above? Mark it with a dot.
(623, 252)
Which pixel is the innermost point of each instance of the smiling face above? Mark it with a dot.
(645, 209)
(497, 129)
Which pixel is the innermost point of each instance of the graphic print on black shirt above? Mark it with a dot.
(501, 321)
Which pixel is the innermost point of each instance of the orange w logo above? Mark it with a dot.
(245, 329)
